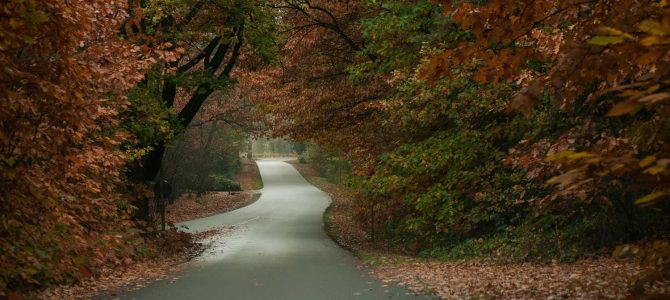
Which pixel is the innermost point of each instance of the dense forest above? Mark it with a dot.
(511, 130)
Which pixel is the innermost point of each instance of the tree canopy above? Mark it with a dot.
(523, 130)
(63, 82)
(534, 126)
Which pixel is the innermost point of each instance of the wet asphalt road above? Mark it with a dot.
(278, 250)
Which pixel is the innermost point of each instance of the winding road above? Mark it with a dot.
(278, 250)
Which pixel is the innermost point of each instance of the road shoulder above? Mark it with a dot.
(584, 279)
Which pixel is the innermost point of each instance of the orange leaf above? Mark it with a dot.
(624, 108)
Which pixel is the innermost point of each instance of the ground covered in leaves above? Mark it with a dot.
(587, 279)
(340, 223)
(179, 247)
(189, 206)
(171, 248)
(112, 281)
(601, 278)
(249, 176)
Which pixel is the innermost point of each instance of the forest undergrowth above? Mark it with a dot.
(513, 132)
(473, 276)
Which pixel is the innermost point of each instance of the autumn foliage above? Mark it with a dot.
(92, 94)
(64, 210)
(513, 130)
(599, 55)
(309, 96)
(509, 129)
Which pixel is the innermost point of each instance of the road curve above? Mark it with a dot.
(277, 251)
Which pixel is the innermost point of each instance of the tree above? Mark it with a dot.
(602, 55)
(457, 113)
(63, 203)
(206, 150)
(209, 39)
(309, 96)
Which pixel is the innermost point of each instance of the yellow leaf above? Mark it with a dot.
(594, 160)
(647, 161)
(654, 40)
(616, 167)
(560, 155)
(653, 98)
(604, 40)
(631, 94)
(649, 198)
(603, 173)
(554, 180)
(655, 170)
(652, 27)
(648, 57)
(581, 155)
(624, 108)
(613, 31)
(653, 88)
(620, 251)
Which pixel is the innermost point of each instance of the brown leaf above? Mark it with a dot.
(623, 108)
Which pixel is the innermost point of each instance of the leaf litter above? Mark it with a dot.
(597, 278)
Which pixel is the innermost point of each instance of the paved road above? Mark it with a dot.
(278, 251)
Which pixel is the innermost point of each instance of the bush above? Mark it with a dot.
(329, 164)
(221, 183)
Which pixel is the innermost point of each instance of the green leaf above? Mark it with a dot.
(604, 40)
(10, 162)
(34, 16)
(79, 260)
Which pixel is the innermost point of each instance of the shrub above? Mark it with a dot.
(221, 183)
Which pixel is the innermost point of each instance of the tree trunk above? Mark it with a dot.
(150, 165)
